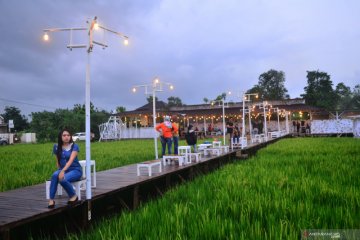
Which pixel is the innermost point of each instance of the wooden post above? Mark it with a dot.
(136, 200)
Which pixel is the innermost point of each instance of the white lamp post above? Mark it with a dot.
(92, 25)
(204, 126)
(246, 97)
(278, 118)
(156, 86)
(264, 106)
(222, 101)
(287, 121)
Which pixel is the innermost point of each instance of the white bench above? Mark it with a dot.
(197, 156)
(77, 186)
(180, 158)
(213, 151)
(274, 134)
(224, 149)
(148, 165)
(257, 138)
(92, 169)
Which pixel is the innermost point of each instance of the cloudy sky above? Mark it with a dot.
(203, 47)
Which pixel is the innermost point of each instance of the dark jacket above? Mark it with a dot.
(191, 138)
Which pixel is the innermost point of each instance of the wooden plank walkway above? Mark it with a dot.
(118, 186)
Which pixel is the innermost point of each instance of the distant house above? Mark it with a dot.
(3, 125)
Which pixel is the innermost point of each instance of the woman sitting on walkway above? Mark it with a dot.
(69, 168)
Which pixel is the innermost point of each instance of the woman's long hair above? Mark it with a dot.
(60, 143)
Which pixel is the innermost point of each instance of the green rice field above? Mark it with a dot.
(289, 186)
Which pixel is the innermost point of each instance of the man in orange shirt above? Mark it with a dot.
(166, 130)
(176, 134)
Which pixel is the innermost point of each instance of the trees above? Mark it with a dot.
(48, 124)
(221, 96)
(271, 86)
(355, 101)
(13, 113)
(206, 100)
(174, 101)
(120, 109)
(319, 91)
(150, 99)
(344, 96)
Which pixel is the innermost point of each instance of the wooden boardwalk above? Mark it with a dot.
(24, 211)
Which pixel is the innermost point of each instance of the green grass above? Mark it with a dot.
(291, 185)
(34, 163)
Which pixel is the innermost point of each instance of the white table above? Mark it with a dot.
(216, 151)
(185, 151)
(216, 144)
(180, 158)
(148, 165)
(204, 145)
(225, 149)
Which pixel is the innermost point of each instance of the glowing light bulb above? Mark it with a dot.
(126, 42)
(46, 37)
(96, 26)
(134, 89)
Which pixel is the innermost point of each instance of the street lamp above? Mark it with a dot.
(246, 97)
(92, 25)
(222, 102)
(152, 88)
(264, 105)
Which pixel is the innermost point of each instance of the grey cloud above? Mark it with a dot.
(203, 47)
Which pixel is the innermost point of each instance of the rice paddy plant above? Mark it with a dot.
(289, 186)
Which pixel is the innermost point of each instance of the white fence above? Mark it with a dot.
(138, 132)
(25, 137)
(332, 126)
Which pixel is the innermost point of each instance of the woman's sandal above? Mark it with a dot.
(51, 206)
(73, 201)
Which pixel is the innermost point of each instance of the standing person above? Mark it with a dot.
(236, 134)
(176, 135)
(191, 138)
(260, 126)
(294, 126)
(165, 129)
(69, 168)
(298, 127)
(230, 128)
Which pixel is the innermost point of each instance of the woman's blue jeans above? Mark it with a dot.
(69, 176)
(164, 142)
(176, 145)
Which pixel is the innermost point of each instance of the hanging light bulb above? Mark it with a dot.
(46, 37)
